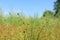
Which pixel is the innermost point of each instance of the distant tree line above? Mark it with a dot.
(56, 9)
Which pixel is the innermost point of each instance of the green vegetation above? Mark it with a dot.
(18, 27)
(57, 8)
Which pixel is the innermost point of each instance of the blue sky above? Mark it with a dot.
(29, 7)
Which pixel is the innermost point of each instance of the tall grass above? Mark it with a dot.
(33, 28)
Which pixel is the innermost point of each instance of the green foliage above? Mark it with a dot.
(58, 15)
(57, 7)
(48, 13)
(19, 27)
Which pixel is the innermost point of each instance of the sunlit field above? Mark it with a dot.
(32, 28)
